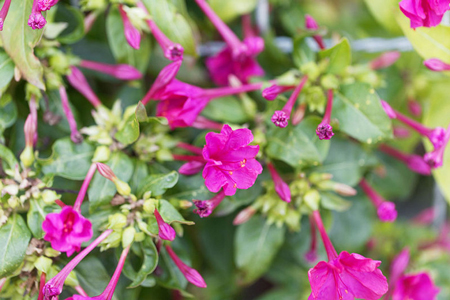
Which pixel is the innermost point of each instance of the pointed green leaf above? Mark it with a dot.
(157, 183)
(340, 56)
(6, 69)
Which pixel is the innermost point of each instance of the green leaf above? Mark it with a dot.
(170, 214)
(75, 23)
(302, 54)
(255, 246)
(19, 41)
(36, 215)
(129, 133)
(149, 263)
(227, 110)
(428, 42)
(172, 23)
(101, 190)
(347, 161)
(15, 236)
(8, 157)
(122, 51)
(8, 111)
(68, 160)
(6, 69)
(297, 145)
(384, 12)
(171, 277)
(333, 202)
(157, 183)
(340, 57)
(140, 172)
(360, 114)
(230, 9)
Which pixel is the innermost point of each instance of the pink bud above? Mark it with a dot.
(310, 23)
(122, 71)
(191, 168)
(385, 60)
(272, 92)
(132, 35)
(46, 4)
(106, 171)
(436, 65)
(401, 132)
(386, 212)
(29, 130)
(166, 232)
(417, 164)
(244, 215)
(281, 187)
(79, 82)
(324, 131)
(189, 273)
(280, 119)
(36, 20)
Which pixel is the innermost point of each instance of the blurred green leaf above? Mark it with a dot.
(256, 244)
(8, 110)
(227, 110)
(230, 9)
(75, 23)
(297, 145)
(68, 160)
(19, 41)
(334, 202)
(122, 51)
(157, 183)
(140, 172)
(6, 69)
(149, 263)
(8, 157)
(360, 114)
(15, 236)
(302, 54)
(384, 12)
(172, 23)
(101, 190)
(129, 133)
(339, 56)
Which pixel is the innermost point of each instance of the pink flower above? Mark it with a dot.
(311, 24)
(79, 82)
(345, 276)
(414, 162)
(206, 207)
(231, 162)
(280, 117)
(237, 58)
(36, 20)
(386, 210)
(166, 232)
(132, 35)
(171, 50)
(109, 290)
(435, 158)
(272, 92)
(436, 65)
(427, 13)
(384, 60)
(4, 12)
(324, 130)
(189, 273)
(54, 286)
(67, 230)
(415, 287)
(122, 71)
(281, 187)
(46, 4)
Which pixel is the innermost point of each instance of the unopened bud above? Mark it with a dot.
(340, 188)
(312, 198)
(116, 221)
(184, 204)
(106, 171)
(149, 206)
(384, 60)
(101, 154)
(329, 81)
(244, 215)
(49, 196)
(13, 202)
(43, 264)
(27, 156)
(50, 252)
(316, 178)
(128, 236)
(122, 187)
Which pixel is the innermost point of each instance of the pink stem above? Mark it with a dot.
(227, 91)
(204, 123)
(331, 252)
(109, 291)
(4, 10)
(41, 287)
(394, 153)
(374, 197)
(413, 124)
(189, 147)
(313, 234)
(100, 67)
(327, 116)
(84, 187)
(290, 103)
(79, 82)
(33, 111)
(247, 26)
(188, 157)
(75, 135)
(60, 203)
(230, 38)
(160, 37)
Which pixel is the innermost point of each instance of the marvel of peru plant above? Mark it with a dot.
(224, 149)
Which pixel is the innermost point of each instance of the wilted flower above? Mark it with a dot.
(206, 207)
(311, 24)
(272, 92)
(281, 187)
(36, 20)
(324, 130)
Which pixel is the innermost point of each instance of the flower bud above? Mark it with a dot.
(329, 81)
(122, 187)
(50, 252)
(116, 221)
(436, 65)
(312, 198)
(149, 206)
(384, 60)
(27, 156)
(101, 154)
(315, 178)
(184, 204)
(340, 188)
(49, 196)
(128, 236)
(43, 264)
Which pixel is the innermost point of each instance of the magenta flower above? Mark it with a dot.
(324, 130)
(166, 232)
(54, 286)
(189, 273)
(206, 207)
(272, 92)
(36, 20)
(109, 290)
(231, 162)
(171, 50)
(414, 162)
(281, 187)
(311, 24)
(384, 60)
(132, 35)
(46, 4)
(435, 158)
(280, 117)
(345, 276)
(237, 58)
(427, 13)
(386, 210)
(75, 135)
(79, 82)
(4, 12)
(122, 71)
(67, 230)
(436, 65)
(415, 287)
(165, 77)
